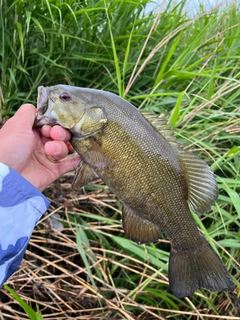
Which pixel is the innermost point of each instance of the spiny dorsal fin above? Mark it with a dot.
(160, 124)
(202, 185)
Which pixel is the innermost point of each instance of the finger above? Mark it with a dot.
(26, 114)
(45, 130)
(58, 169)
(45, 140)
(59, 133)
(56, 149)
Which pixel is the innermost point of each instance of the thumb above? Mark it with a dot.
(68, 164)
(26, 114)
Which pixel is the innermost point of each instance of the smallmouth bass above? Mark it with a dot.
(155, 180)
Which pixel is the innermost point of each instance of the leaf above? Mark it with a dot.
(40, 27)
(82, 239)
(175, 113)
(20, 35)
(28, 310)
(117, 67)
(154, 255)
(234, 196)
(230, 243)
(171, 51)
(28, 20)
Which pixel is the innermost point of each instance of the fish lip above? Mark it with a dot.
(43, 114)
(41, 120)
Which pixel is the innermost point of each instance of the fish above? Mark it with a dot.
(156, 181)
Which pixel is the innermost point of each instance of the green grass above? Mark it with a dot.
(188, 70)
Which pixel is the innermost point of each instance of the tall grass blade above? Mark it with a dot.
(29, 311)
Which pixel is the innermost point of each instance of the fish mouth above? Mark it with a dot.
(41, 120)
(43, 115)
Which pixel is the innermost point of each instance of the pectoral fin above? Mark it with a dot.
(138, 229)
(90, 151)
(83, 175)
(202, 185)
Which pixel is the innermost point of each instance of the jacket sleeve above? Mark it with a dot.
(21, 206)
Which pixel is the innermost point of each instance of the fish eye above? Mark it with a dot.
(65, 96)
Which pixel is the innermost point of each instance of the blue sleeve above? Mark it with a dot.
(21, 206)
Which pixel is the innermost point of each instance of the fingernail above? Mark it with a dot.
(56, 147)
(61, 133)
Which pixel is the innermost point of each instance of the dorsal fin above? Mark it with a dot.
(160, 124)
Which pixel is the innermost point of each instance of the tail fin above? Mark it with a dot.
(198, 268)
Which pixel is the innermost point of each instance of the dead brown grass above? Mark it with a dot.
(53, 277)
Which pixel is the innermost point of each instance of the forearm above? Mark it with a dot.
(21, 206)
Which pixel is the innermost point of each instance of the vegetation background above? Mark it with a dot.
(79, 265)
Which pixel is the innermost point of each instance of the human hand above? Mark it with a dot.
(24, 148)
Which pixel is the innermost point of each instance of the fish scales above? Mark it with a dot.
(141, 185)
(155, 180)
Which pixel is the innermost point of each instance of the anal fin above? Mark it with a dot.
(138, 229)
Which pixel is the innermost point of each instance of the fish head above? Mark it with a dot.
(69, 107)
